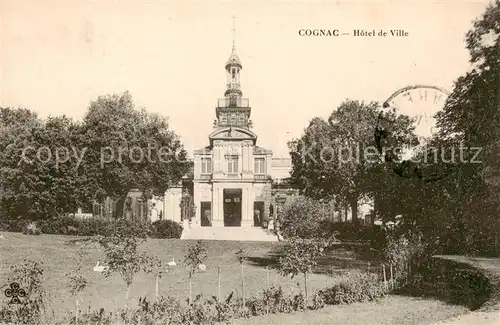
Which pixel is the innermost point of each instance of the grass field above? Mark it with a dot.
(60, 258)
(393, 310)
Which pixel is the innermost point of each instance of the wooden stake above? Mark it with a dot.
(218, 283)
(190, 291)
(157, 287)
(267, 277)
(408, 272)
(76, 311)
(305, 286)
(392, 279)
(243, 285)
(385, 277)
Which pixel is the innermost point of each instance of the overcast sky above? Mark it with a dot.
(58, 56)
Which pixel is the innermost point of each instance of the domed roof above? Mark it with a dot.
(234, 60)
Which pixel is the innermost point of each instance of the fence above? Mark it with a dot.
(393, 278)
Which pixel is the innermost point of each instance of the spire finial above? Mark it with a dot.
(234, 33)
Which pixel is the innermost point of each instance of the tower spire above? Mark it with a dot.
(234, 33)
(233, 109)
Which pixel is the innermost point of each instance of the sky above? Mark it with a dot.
(56, 57)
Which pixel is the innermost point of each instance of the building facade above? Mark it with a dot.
(231, 179)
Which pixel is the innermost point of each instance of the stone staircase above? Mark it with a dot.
(228, 233)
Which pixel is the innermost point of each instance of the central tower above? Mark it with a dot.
(233, 110)
(231, 180)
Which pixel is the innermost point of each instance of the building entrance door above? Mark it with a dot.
(258, 213)
(232, 207)
(206, 214)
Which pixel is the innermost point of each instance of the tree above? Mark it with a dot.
(157, 267)
(300, 256)
(53, 166)
(302, 218)
(122, 256)
(16, 128)
(194, 260)
(333, 159)
(77, 283)
(458, 214)
(39, 164)
(471, 114)
(241, 257)
(130, 148)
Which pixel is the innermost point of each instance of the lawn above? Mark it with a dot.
(59, 258)
(393, 310)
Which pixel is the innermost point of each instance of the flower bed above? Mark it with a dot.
(353, 287)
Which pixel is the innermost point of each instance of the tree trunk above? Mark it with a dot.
(497, 224)
(120, 206)
(376, 208)
(127, 294)
(76, 311)
(354, 210)
(305, 286)
(497, 237)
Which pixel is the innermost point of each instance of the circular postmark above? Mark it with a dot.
(421, 103)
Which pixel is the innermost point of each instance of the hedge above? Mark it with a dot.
(69, 225)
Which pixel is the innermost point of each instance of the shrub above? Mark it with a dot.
(126, 228)
(94, 317)
(32, 229)
(203, 311)
(404, 253)
(318, 300)
(302, 218)
(348, 231)
(13, 224)
(166, 229)
(31, 308)
(223, 310)
(299, 302)
(69, 225)
(166, 311)
(355, 286)
(273, 301)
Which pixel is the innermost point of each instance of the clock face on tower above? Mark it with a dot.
(421, 103)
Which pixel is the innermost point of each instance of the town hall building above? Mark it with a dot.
(231, 183)
(236, 187)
